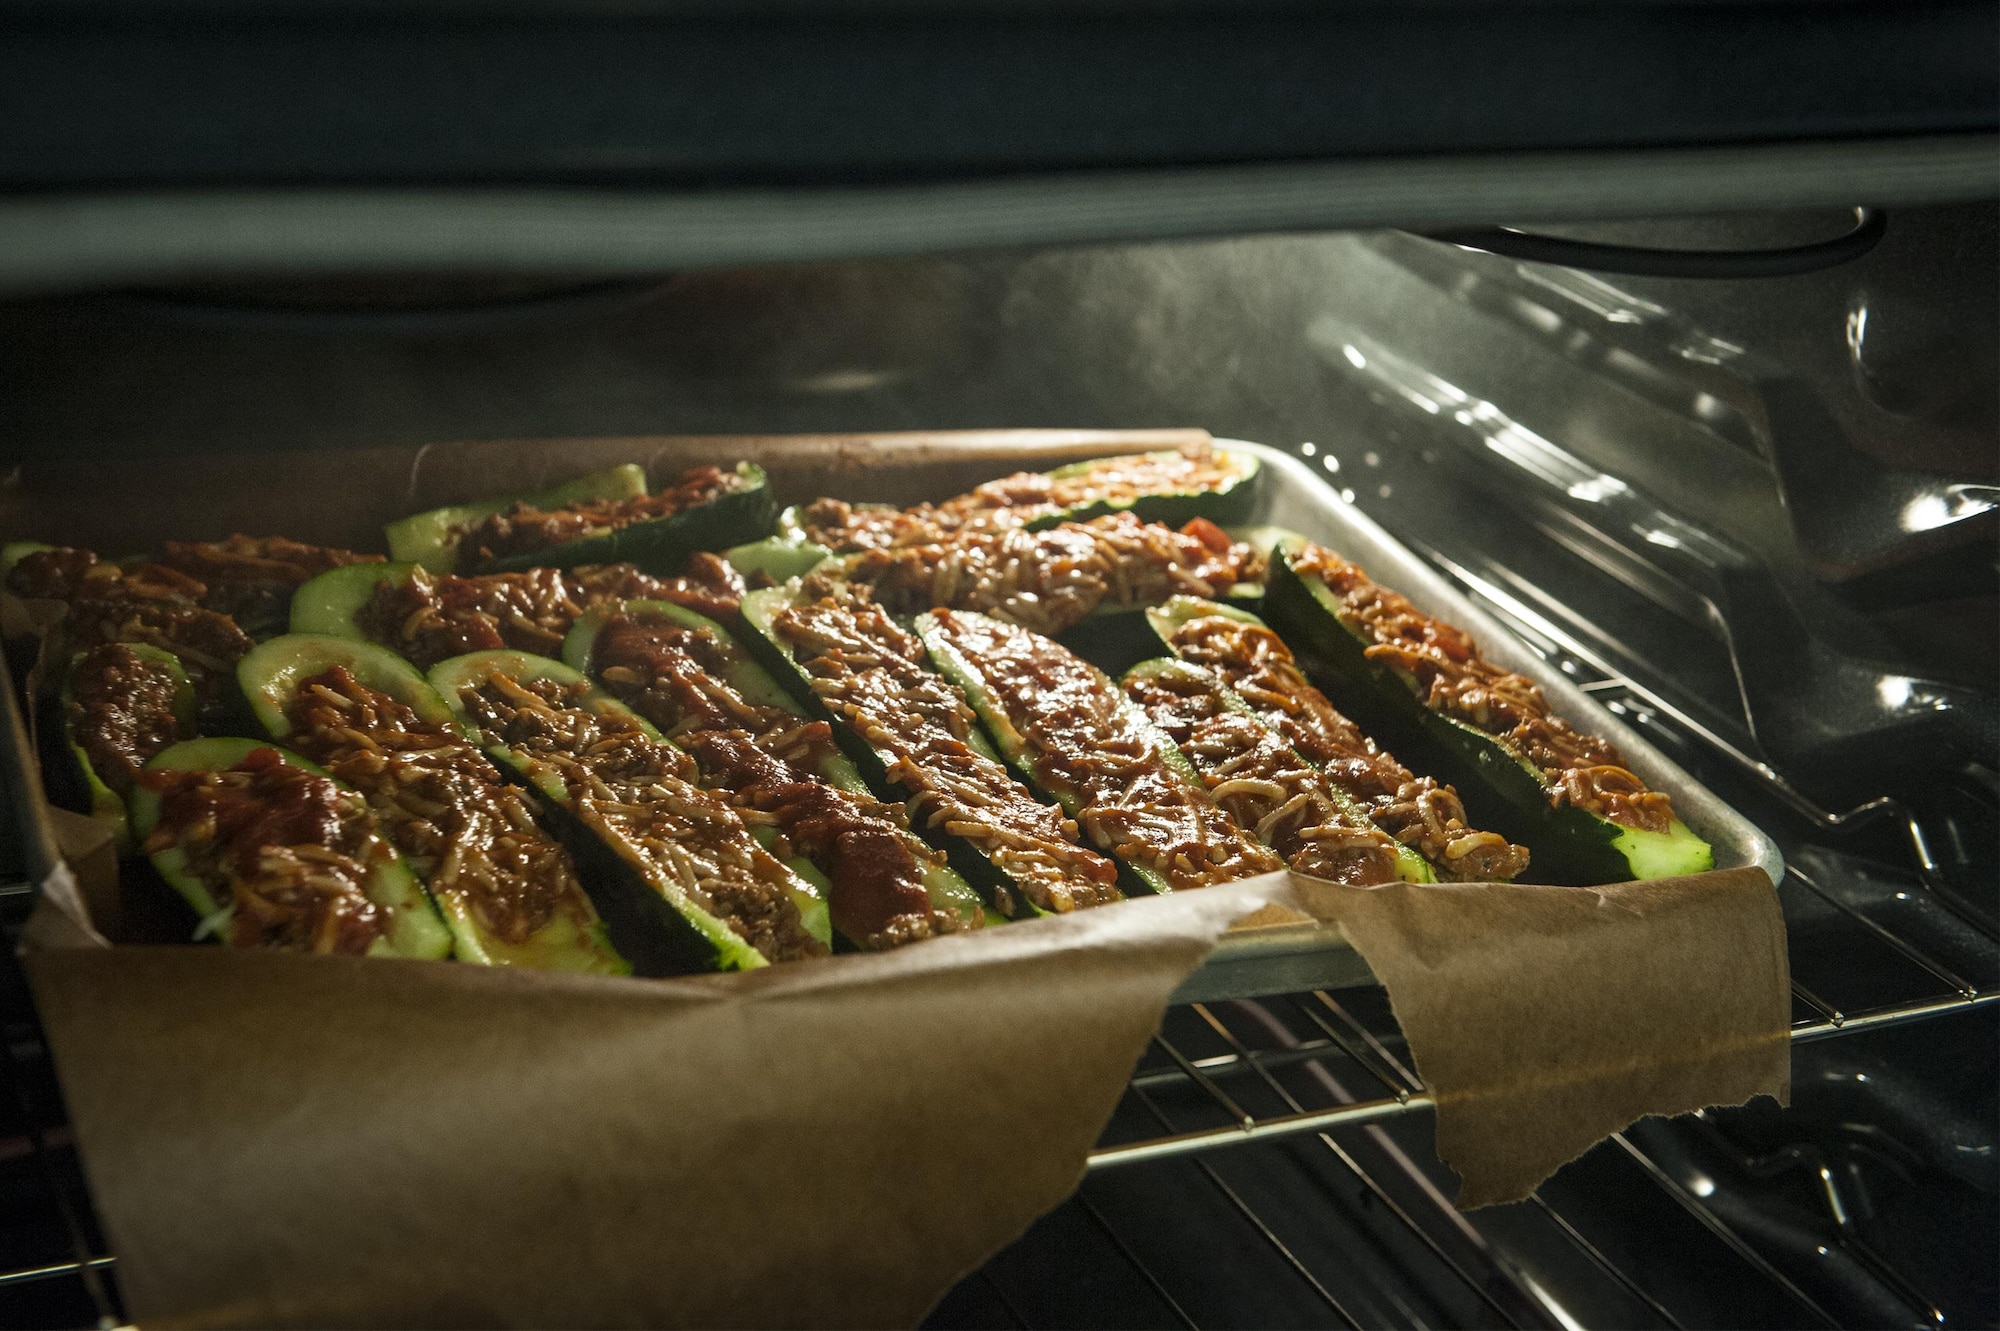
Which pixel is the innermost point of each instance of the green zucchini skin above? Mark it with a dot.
(416, 930)
(1569, 844)
(330, 602)
(271, 674)
(1232, 502)
(662, 545)
(1410, 866)
(760, 610)
(431, 539)
(84, 785)
(696, 940)
(949, 891)
(782, 557)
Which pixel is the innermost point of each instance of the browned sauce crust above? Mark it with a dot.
(141, 603)
(1130, 800)
(639, 794)
(1452, 678)
(870, 673)
(431, 617)
(442, 803)
(767, 760)
(1261, 782)
(121, 711)
(1415, 810)
(523, 528)
(287, 852)
(1051, 579)
(1013, 501)
(252, 578)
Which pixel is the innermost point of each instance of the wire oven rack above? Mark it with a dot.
(1322, 1080)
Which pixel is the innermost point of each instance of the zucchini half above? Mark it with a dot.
(635, 885)
(1410, 866)
(760, 611)
(431, 538)
(949, 892)
(656, 545)
(104, 803)
(1028, 761)
(331, 601)
(1232, 501)
(1568, 843)
(414, 931)
(270, 676)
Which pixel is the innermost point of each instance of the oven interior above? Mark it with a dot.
(1754, 516)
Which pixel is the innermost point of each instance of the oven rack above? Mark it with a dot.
(1324, 1070)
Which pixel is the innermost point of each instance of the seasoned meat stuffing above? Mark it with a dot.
(1443, 664)
(430, 618)
(639, 794)
(121, 711)
(251, 579)
(769, 760)
(1417, 811)
(141, 603)
(1048, 580)
(1015, 501)
(1263, 783)
(1130, 799)
(465, 831)
(287, 854)
(869, 672)
(523, 528)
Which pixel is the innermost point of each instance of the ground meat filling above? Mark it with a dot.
(430, 617)
(121, 712)
(1130, 800)
(1261, 782)
(1015, 501)
(1415, 810)
(870, 674)
(639, 794)
(1049, 580)
(523, 529)
(287, 854)
(768, 759)
(465, 831)
(1444, 664)
(141, 603)
(251, 579)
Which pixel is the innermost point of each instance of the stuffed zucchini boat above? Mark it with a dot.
(1171, 486)
(1264, 784)
(1051, 579)
(122, 704)
(913, 736)
(1259, 668)
(1071, 733)
(753, 742)
(430, 617)
(1569, 795)
(271, 851)
(508, 889)
(607, 518)
(683, 851)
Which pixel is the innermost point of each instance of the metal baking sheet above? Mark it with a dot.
(136, 506)
(1290, 958)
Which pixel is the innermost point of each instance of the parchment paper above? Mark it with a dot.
(1545, 1018)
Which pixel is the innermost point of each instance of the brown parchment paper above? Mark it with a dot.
(285, 1140)
(1545, 1018)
